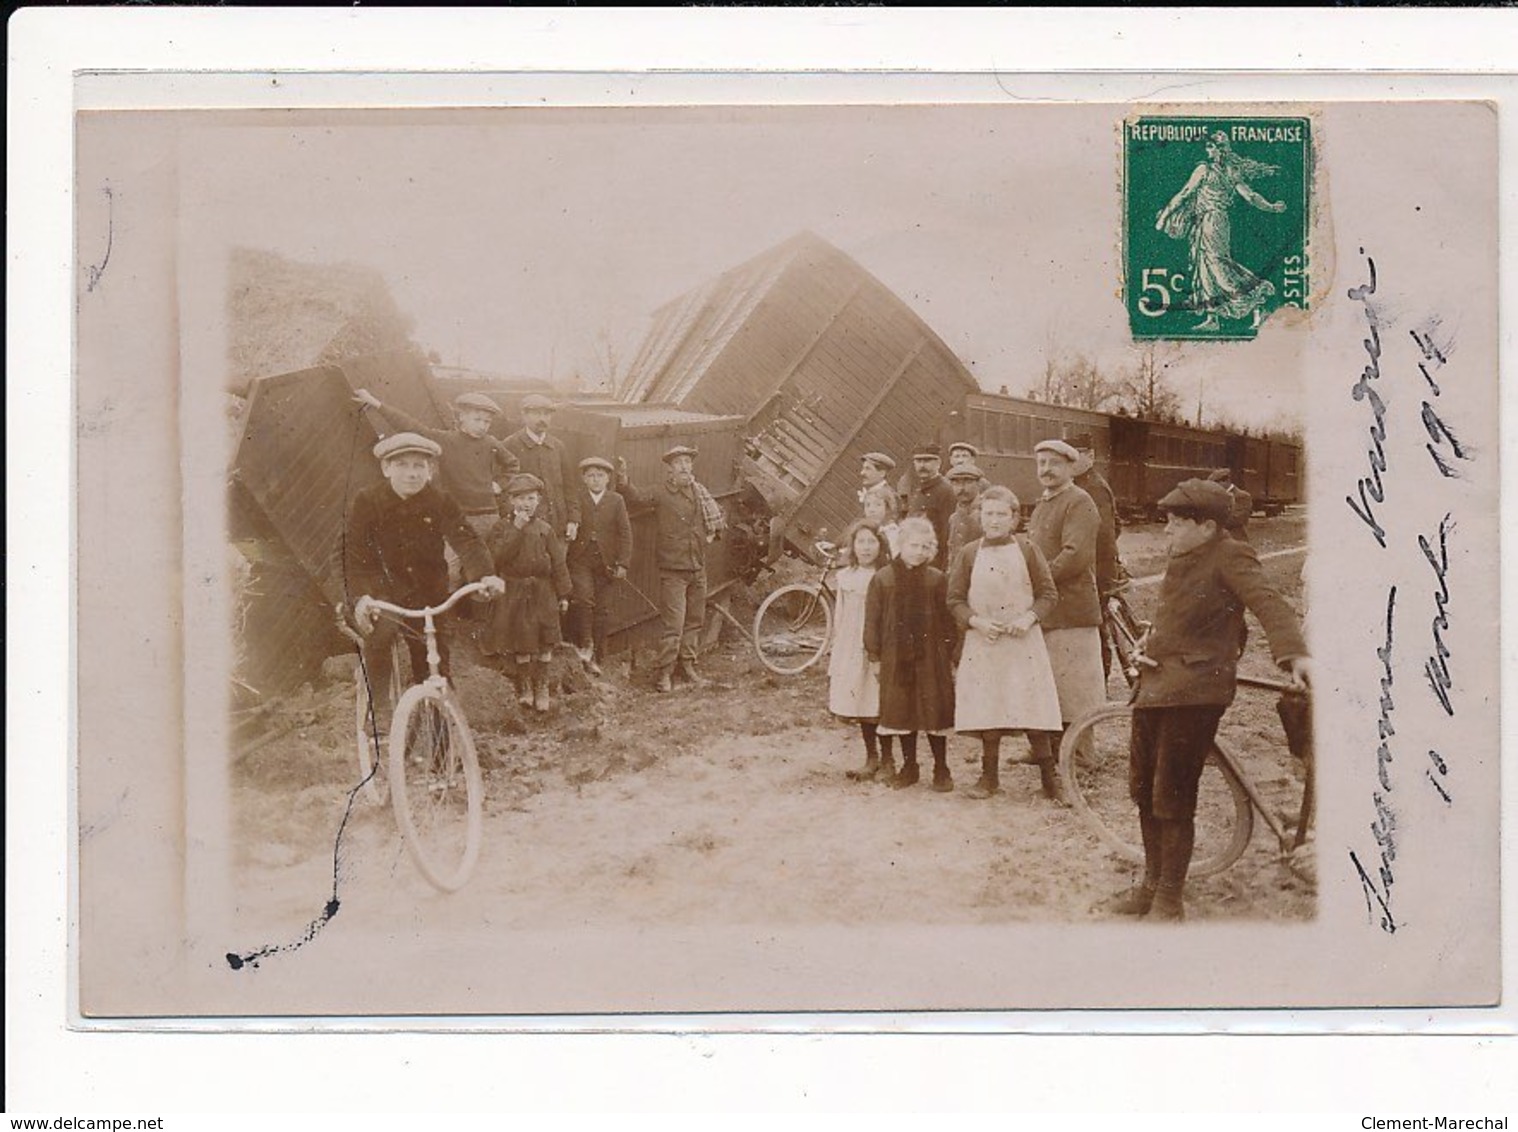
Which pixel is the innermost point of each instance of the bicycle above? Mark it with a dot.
(434, 780)
(794, 624)
(1094, 762)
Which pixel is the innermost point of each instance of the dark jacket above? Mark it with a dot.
(1106, 565)
(530, 560)
(470, 466)
(1198, 630)
(1064, 527)
(604, 530)
(680, 541)
(1045, 593)
(918, 696)
(964, 527)
(934, 500)
(549, 461)
(392, 548)
(1238, 519)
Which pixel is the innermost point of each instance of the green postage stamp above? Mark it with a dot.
(1216, 222)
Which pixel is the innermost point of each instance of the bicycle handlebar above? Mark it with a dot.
(431, 610)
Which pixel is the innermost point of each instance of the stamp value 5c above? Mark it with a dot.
(1215, 214)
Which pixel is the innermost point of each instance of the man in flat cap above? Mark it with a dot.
(1187, 680)
(965, 480)
(1241, 504)
(474, 465)
(874, 468)
(688, 519)
(925, 492)
(1064, 526)
(546, 457)
(1110, 576)
(392, 550)
(600, 554)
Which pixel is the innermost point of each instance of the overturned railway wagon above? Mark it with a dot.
(305, 451)
(823, 361)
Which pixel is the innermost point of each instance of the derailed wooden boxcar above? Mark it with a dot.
(822, 360)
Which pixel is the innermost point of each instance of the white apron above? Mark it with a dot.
(853, 690)
(1005, 684)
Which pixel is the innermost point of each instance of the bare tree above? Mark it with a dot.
(1147, 390)
(1077, 382)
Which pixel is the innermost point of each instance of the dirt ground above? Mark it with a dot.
(723, 805)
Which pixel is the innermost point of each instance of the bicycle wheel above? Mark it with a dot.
(792, 628)
(436, 786)
(369, 717)
(1094, 761)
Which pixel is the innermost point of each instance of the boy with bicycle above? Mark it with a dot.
(392, 550)
(1187, 680)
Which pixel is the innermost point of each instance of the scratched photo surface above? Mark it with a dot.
(1295, 299)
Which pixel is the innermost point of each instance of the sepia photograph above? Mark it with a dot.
(799, 558)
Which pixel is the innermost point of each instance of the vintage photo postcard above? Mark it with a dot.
(954, 555)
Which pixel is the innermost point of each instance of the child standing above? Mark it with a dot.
(599, 554)
(880, 512)
(529, 557)
(909, 637)
(853, 686)
(1000, 589)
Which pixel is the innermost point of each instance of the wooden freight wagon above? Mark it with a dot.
(822, 361)
(1151, 457)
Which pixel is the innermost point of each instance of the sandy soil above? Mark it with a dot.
(722, 805)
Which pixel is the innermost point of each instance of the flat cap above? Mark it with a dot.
(476, 401)
(965, 472)
(538, 401)
(967, 446)
(596, 462)
(1221, 475)
(522, 483)
(1202, 498)
(924, 450)
(1059, 447)
(879, 459)
(398, 442)
(680, 450)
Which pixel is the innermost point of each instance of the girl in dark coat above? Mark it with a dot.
(909, 635)
(529, 557)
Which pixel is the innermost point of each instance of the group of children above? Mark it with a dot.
(548, 552)
(921, 650)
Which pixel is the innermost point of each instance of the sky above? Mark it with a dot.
(523, 241)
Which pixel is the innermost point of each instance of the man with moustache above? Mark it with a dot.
(925, 492)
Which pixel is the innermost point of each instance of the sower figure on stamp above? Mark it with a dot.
(1188, 679)
(599, 555)
(1063, 526)
(392, 550)
(530, 558)
(1110, 575)
(688, 519)
(1000, 590)
(925, 492)
(546, 457)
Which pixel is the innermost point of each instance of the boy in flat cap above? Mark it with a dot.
(600, 554)
(530, 557)
(392, 550)
(546, 457)
(925, 492)
(688, 519)
(1188, 679)
(1064, 526)
(473, 464)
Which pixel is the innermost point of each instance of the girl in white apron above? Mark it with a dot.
(999, 590)
(853, 687)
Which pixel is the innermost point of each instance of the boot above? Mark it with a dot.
(887, 760)
(943, 781)
(523, 679)
(989, 782)
(1135, 902)
(663, 684)
(1051, 784)
(907, 776)
(686, 670)
(1168, 904)
(870, 769)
